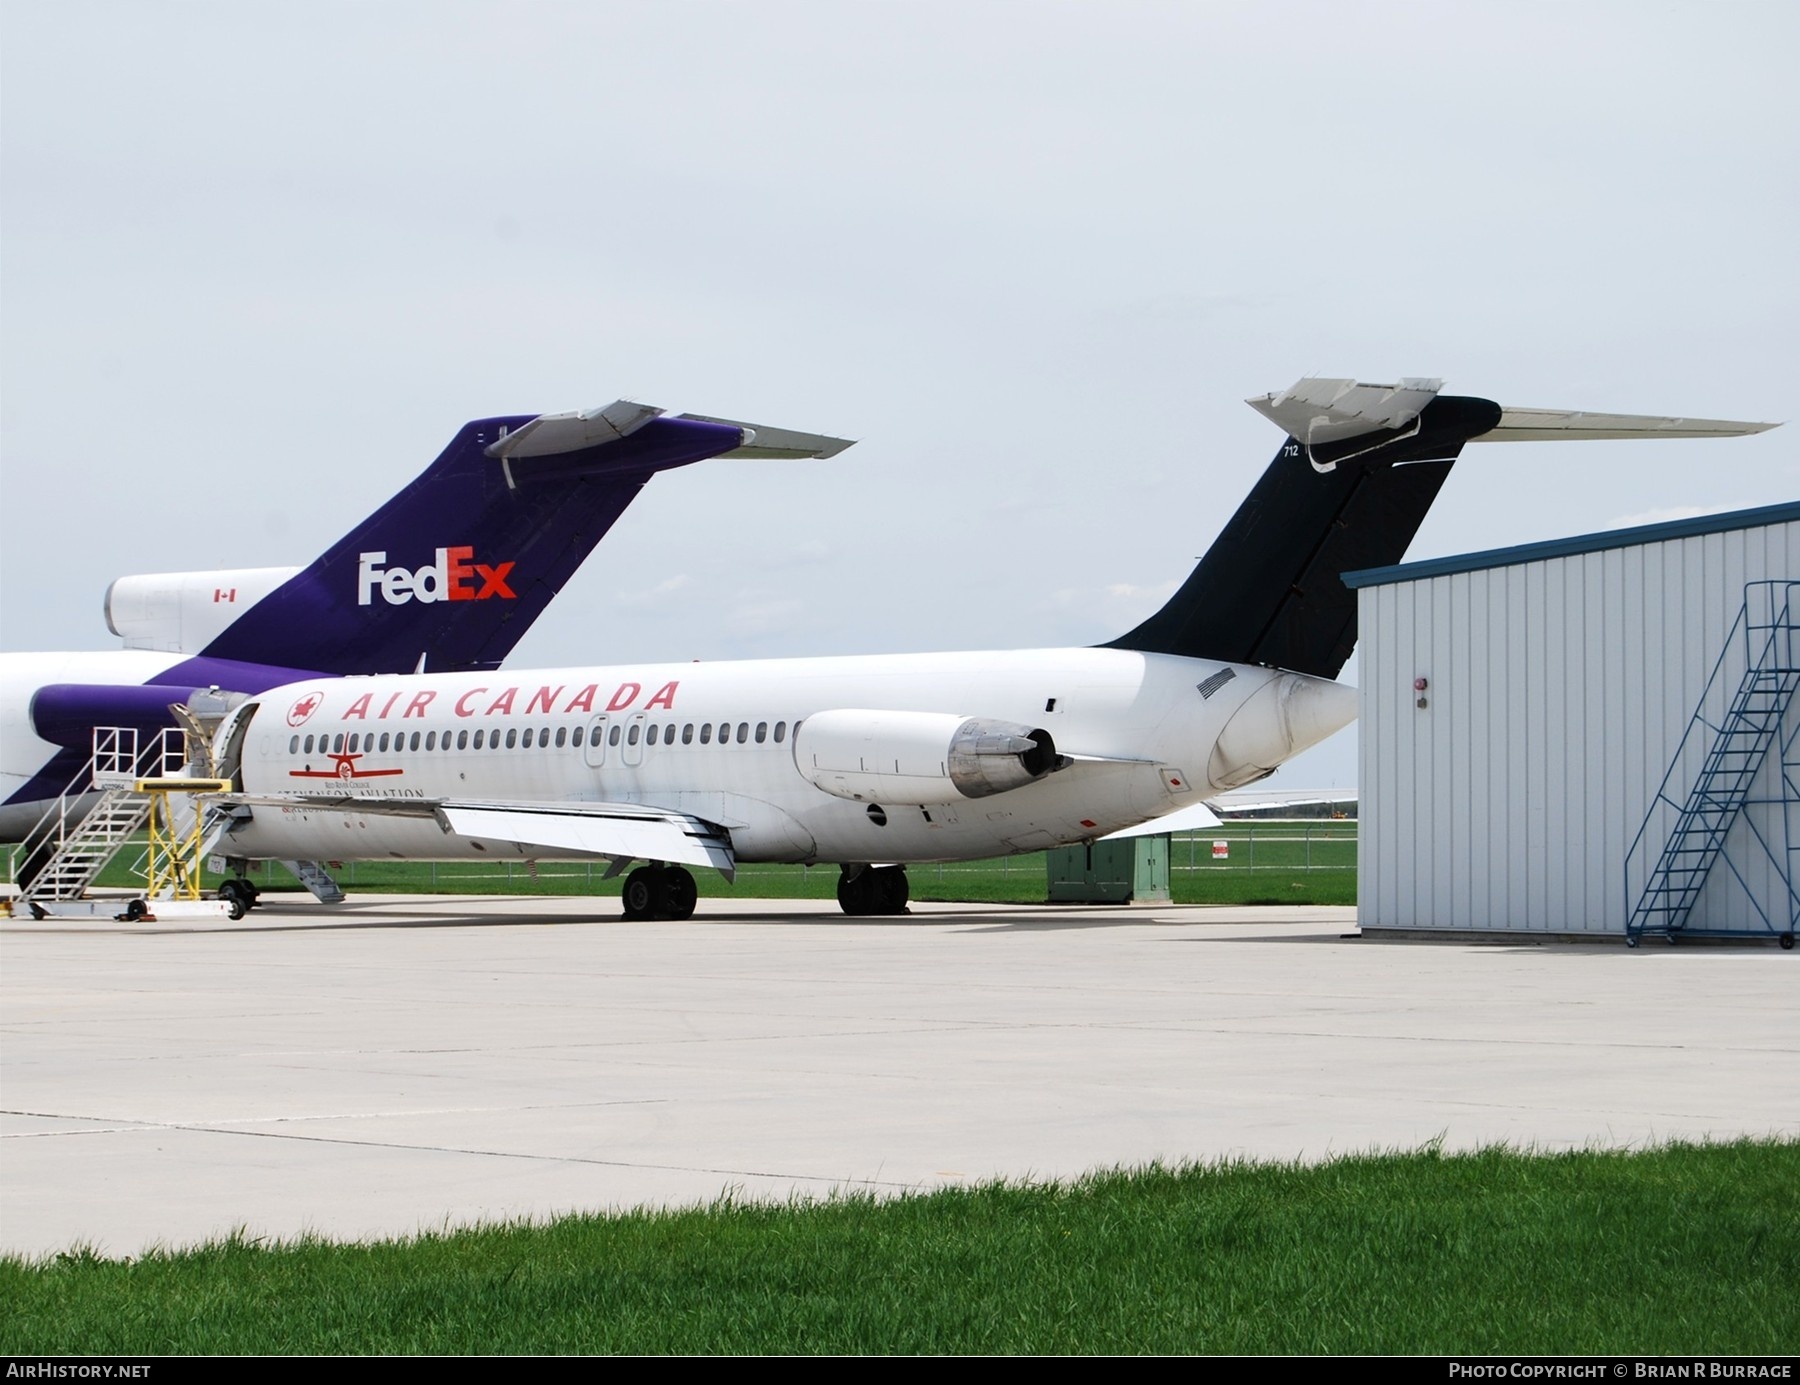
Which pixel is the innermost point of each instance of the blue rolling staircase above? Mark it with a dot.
(1694, 813)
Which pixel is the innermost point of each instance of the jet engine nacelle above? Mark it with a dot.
(183, 612)
(1276, 722)
(919, 757)
(67, 714)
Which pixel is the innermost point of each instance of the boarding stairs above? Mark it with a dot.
(1694, 812)
(315, 877)
(73, 845)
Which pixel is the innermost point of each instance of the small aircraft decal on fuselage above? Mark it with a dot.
(345, 769)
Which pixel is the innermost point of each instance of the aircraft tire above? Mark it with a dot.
(640, 893)
(240, 895)
(680, 893)
(874, 892)
(856, 894)
(892, 890)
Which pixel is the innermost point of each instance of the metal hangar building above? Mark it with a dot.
(1589, 738)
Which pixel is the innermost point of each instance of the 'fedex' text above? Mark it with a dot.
(452, 578)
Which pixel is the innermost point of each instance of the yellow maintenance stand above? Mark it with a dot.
(173, 861)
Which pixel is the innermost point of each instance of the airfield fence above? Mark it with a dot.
(1263, 844)
(1316, 849)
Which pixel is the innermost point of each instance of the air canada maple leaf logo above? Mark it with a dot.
(304, 707)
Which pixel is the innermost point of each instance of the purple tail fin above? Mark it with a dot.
(456, 567)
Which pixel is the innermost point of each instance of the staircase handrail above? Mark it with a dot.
(115, 758)
(1766, 621)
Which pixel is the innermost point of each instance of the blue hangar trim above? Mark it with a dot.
(1571, 547)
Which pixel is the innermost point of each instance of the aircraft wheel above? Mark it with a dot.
(680, 893)
(136, 909)
(640, 893)
(1787, 942)
(892, 890)
(856, 893)
(240, 895)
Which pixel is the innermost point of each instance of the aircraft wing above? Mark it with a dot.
(1233, 806)
(1246, 803)
(1196, 817)
(620, 831)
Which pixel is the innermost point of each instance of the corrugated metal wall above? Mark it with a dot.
(1559, 689)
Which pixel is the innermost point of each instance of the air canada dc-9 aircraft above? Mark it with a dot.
(870, 763)
(447, 575)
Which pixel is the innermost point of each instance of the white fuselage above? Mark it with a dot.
(1147, 734)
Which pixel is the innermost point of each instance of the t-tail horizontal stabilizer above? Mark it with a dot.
(1561, 425)
(550, 435)
(1349, 488)
(457, 566)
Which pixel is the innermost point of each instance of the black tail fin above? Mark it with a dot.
(1268, 590)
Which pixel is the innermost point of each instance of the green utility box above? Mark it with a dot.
(1135, 870)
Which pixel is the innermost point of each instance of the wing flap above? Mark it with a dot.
(598, 830)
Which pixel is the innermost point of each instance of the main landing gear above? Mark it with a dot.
(660, 892)
(873, 890)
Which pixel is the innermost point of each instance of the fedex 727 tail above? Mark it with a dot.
(447, 576)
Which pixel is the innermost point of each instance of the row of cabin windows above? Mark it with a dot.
(542, 737)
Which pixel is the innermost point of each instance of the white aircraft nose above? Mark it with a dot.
(1283, 717)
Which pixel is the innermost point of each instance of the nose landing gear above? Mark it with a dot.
(240, 894)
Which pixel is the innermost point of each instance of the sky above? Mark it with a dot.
(259, 261)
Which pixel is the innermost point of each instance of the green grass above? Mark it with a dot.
(1679, 1250)
(1270, 863)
